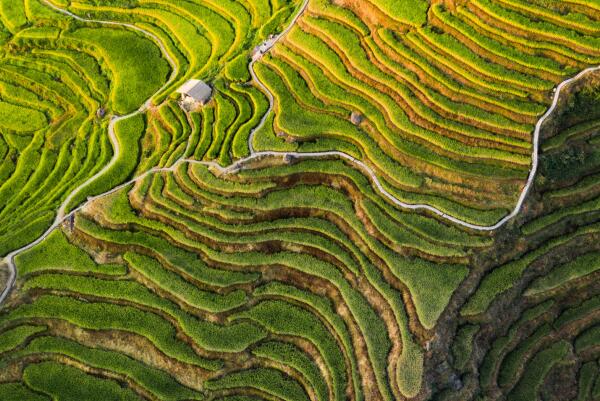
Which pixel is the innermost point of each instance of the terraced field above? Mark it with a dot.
(380, 201)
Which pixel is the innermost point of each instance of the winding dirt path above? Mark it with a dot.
(239, 164)
(422, 206)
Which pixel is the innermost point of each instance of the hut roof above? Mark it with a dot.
(196, 89)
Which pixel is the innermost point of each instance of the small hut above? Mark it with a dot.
(101, 112)
(194, 93)
(356, 118)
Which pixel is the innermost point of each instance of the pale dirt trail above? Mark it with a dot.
(239, 164)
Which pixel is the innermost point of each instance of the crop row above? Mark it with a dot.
(63, 78)
(428, 99)
(195, 277)
(542, 281)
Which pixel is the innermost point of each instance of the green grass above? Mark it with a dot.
(128, 133)
(156, 381)
(500, 346)
(425, 279)
(65, 383)
(587, 375)
(20, 392)
(495, 46)
(13, 15)
(286, 319)
(563, 274)
(105, 316)
(537, 369)
(15, 337)
(291, 356)
(580, 311)
(509, 369)
(587, 339)
(409, 12)
(182, 289)
(209, 335)
(503, 277)
(169, 254)
(133, 82)
(20, 119)
(56, 253)
(463, 345)
(325, 309)
(270, 381)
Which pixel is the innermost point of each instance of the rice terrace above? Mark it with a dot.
(299, 200)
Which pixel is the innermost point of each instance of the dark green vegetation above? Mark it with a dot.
(294, 279)
(532, 322)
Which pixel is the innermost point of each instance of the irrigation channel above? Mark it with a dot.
(254, 155)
